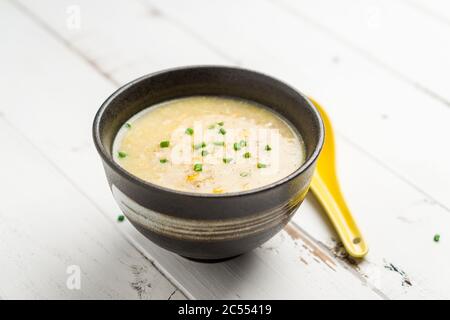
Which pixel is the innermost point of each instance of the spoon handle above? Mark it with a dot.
(334, 204)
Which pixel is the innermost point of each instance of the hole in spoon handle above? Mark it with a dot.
(340, 216)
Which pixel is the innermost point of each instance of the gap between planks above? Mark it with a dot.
(393, 172)
(322, 252)
(428, 11)
(362, 52)
(294, 11)
(61, 39)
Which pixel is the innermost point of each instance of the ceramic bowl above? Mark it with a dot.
(208, 227)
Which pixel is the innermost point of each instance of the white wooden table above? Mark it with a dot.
(380, 68)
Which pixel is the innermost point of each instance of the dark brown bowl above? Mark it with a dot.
(208, 226)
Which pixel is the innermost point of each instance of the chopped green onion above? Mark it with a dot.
(222, 131)
(121, 154)
(261, 165)
(244, 174)
(436, 238)
(212, 126)
(189, 131)
(220, 123)
(120, 218)
(268, 148)
(227, 160)
(164, 160)
(198, 167)
(199, 145)
(127, 125)
(243, 143)
(219, 143)
(236, 146)
(247, 155)
(164, 144)
(204, 153)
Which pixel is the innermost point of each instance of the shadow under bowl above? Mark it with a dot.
(208, 227)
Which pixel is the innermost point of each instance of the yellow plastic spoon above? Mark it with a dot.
(325, 186)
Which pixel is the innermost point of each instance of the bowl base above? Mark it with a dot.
(211, 260)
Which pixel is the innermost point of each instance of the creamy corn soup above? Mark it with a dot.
(208, 144)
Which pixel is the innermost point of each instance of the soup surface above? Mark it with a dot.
(209, 144)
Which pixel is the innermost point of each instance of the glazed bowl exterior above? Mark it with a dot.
(208, 226)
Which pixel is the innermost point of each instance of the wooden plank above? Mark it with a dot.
(48, 226)
(399, 221)
(286, 267)
(392, 34)
(283, 268)
(122, 53)
(363, 175)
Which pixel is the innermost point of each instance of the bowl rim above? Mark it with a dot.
(146, 184)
